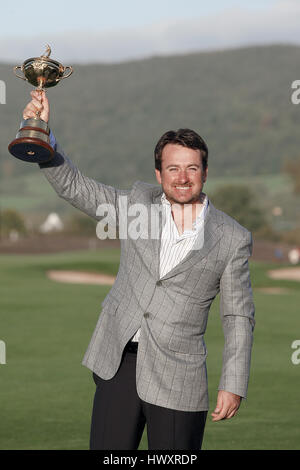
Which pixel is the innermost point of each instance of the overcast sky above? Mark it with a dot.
(118, 30)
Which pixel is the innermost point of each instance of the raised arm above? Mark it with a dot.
(82, 192)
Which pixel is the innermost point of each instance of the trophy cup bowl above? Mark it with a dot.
(32, 140)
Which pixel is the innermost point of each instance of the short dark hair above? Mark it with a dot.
(185, 137)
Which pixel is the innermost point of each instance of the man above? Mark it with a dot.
(147, 352)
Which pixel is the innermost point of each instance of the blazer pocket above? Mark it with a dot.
(183, 346)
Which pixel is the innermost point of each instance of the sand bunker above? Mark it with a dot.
(81, 277)
(289, 274)
(273, 290)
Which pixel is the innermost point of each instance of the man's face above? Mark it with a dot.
(181, 176)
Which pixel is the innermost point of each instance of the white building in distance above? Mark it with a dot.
(53, 223)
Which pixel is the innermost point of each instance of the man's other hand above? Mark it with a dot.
(39, 103)
(227, 405)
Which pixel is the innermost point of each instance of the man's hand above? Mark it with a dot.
(39, 103)
(227, 405)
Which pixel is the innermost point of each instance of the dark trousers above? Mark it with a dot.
(119, 416)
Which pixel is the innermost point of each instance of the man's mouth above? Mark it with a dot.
(182, 187)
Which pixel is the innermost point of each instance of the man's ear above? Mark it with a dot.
(204, 176)
(158, 176)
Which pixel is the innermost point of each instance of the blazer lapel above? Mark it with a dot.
(212, 234)
(157, 228)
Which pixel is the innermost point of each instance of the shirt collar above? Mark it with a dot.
(197, 224)
(165, 201)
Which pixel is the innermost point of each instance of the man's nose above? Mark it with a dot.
(182, 177)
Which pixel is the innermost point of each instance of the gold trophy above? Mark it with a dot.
(32, 141)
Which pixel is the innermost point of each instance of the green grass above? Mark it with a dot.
(269, 418)
(46, 394)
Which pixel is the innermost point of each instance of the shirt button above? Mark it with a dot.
(146, 315)
(159, 283)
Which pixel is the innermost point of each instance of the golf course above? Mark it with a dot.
(46, 395)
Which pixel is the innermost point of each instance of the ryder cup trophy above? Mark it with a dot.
(32, 141)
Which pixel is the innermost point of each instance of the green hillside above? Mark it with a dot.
(109, 117)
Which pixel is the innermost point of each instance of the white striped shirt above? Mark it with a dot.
(174, 247)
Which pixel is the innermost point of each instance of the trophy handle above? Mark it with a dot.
(15, 72)
(67, 75)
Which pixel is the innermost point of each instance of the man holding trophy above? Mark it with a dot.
(147, 353)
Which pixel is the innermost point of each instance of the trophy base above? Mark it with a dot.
(32, 142)
(31, 150)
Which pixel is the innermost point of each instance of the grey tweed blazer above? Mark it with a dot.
(171, 311)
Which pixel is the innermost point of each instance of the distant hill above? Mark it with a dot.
(109, 117)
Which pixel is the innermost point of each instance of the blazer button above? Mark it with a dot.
(146, 315)
(159, 283)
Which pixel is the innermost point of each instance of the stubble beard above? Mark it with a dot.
(195, 198)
